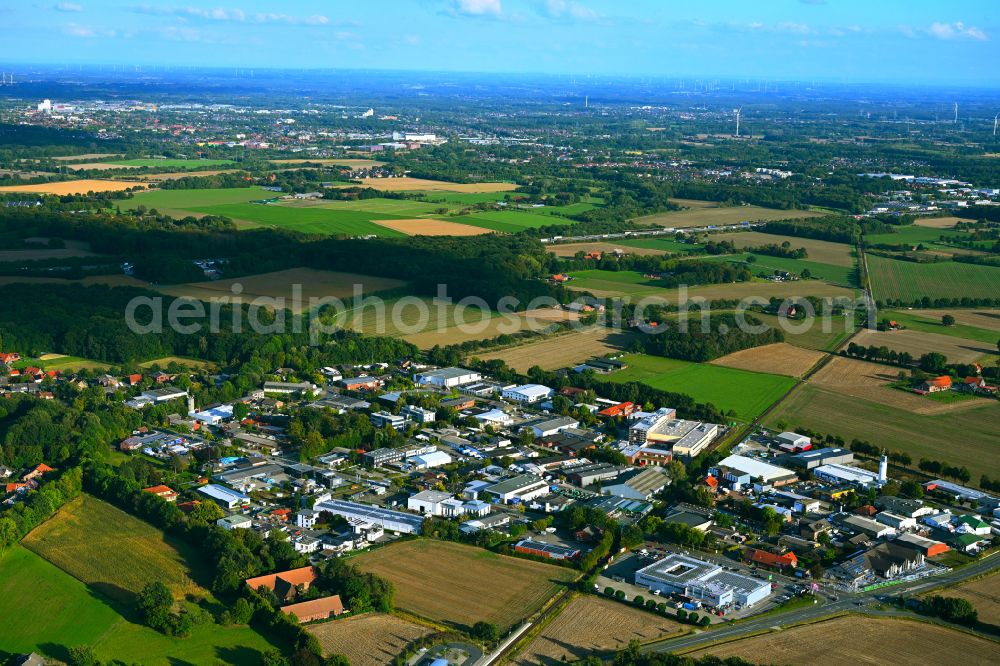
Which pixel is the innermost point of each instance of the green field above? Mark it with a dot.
(815, 337)
(62, 364)
(915, 320)
(186, 200)
(392, 207)
(748, 394)
(74, 584)
(626, 282)
(666, 244)
(313, 220)
(510, 221)
(922, 436)
(172, 163)
(907, 281)
(844, 276)
(914, 235)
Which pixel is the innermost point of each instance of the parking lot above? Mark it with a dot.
(621, 572)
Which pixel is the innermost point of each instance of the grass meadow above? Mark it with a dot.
(746, 393)
(893, 279)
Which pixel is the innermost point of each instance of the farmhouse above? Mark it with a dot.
(387, 519)
(547, 550)
(935, 384)
(446, 377)
(286, 585)
(528, 393)
(519, 489)
(316, 609)
(164, 492)
(710, 583)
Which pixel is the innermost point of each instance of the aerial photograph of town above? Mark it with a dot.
(500, 333)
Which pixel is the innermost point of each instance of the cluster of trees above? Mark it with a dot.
(361, 592)
(926, 302)
(155, 607)
(723, 335)
(880, 354)
(633, 656)
(950, 609)
(944, 469)
(22, 517)
(833, 228)
(986, 483)
(784, 250)
(702, 272)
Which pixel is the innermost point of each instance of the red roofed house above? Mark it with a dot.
(711, 482)
(978, 385)
(622, 409)
(165, 492)
(285, 584)
(134, 379)
(767, 559)
(942, 383)
(316, 609)
(281, 514)
(14, 487)
(36, 472)
(9, 357)
(37, 374)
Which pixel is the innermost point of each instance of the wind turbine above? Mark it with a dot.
(738, 112)
(996, 118)
(956, 113)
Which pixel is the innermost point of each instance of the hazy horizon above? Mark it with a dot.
(846, 41)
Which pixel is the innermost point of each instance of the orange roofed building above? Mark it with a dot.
(942, 383)
(316, 609)
(165, 492)
(621, 409)
(767, 559)
(285, 584)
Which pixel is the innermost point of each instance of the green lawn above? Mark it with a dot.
(172, 163)
(915, 320)
(463, 198)
(308, 220)
(914, 235)
(746, 393)
(46, 610)
(63, 364)
(844, 276)
(626, 282)
(508, 220)
(908, 281)
(392, 207)
(815, 337)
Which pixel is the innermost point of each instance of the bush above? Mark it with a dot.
(639, 600)
(619, 594)
(485, 632)
(682, 615)
(609, 591)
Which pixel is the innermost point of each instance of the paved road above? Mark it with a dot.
(846, 602)
(667, 231)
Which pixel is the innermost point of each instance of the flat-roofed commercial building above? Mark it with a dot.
(387, 519)
(708, 582)
(741, 470)
(446, 377)
(523, 488)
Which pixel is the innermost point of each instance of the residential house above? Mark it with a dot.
(164, 492)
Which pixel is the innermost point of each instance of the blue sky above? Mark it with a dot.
(847, 40)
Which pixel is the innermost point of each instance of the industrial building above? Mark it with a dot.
(518, 489)
(224, 497)
(546, 427)
(387, 519)
(585, 475)
(641, 486)
(815, 458)
(793, 442)
(446, 377)
(547, 550)
(707, 582)
(430, 460)
(853, 475)
(741, 471)
(528, 393)
(382, 457)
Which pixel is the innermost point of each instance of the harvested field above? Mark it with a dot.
(779, 359)
(370, 639)
(445, 581)
(977, 317)
(921, 435)
(715, 215)
(870, 381)
(918, 343)
(819, 251)
(112, 551)
(313, 283)
(984, 594)
(570, 249)
(96, 166)
(408, 184)
(735, 291)
(431, 227)
(591, 624)
(75, 187)
(476, 328)
(87, 156)
(563, 350)
(938, 222)
(860, 640)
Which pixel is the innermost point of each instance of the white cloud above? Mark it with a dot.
(69, 7)
(223, 14)
(87, 32)
(956, 30)
(568, 9)
(477, 7)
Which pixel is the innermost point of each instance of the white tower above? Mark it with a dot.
(883, 470)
